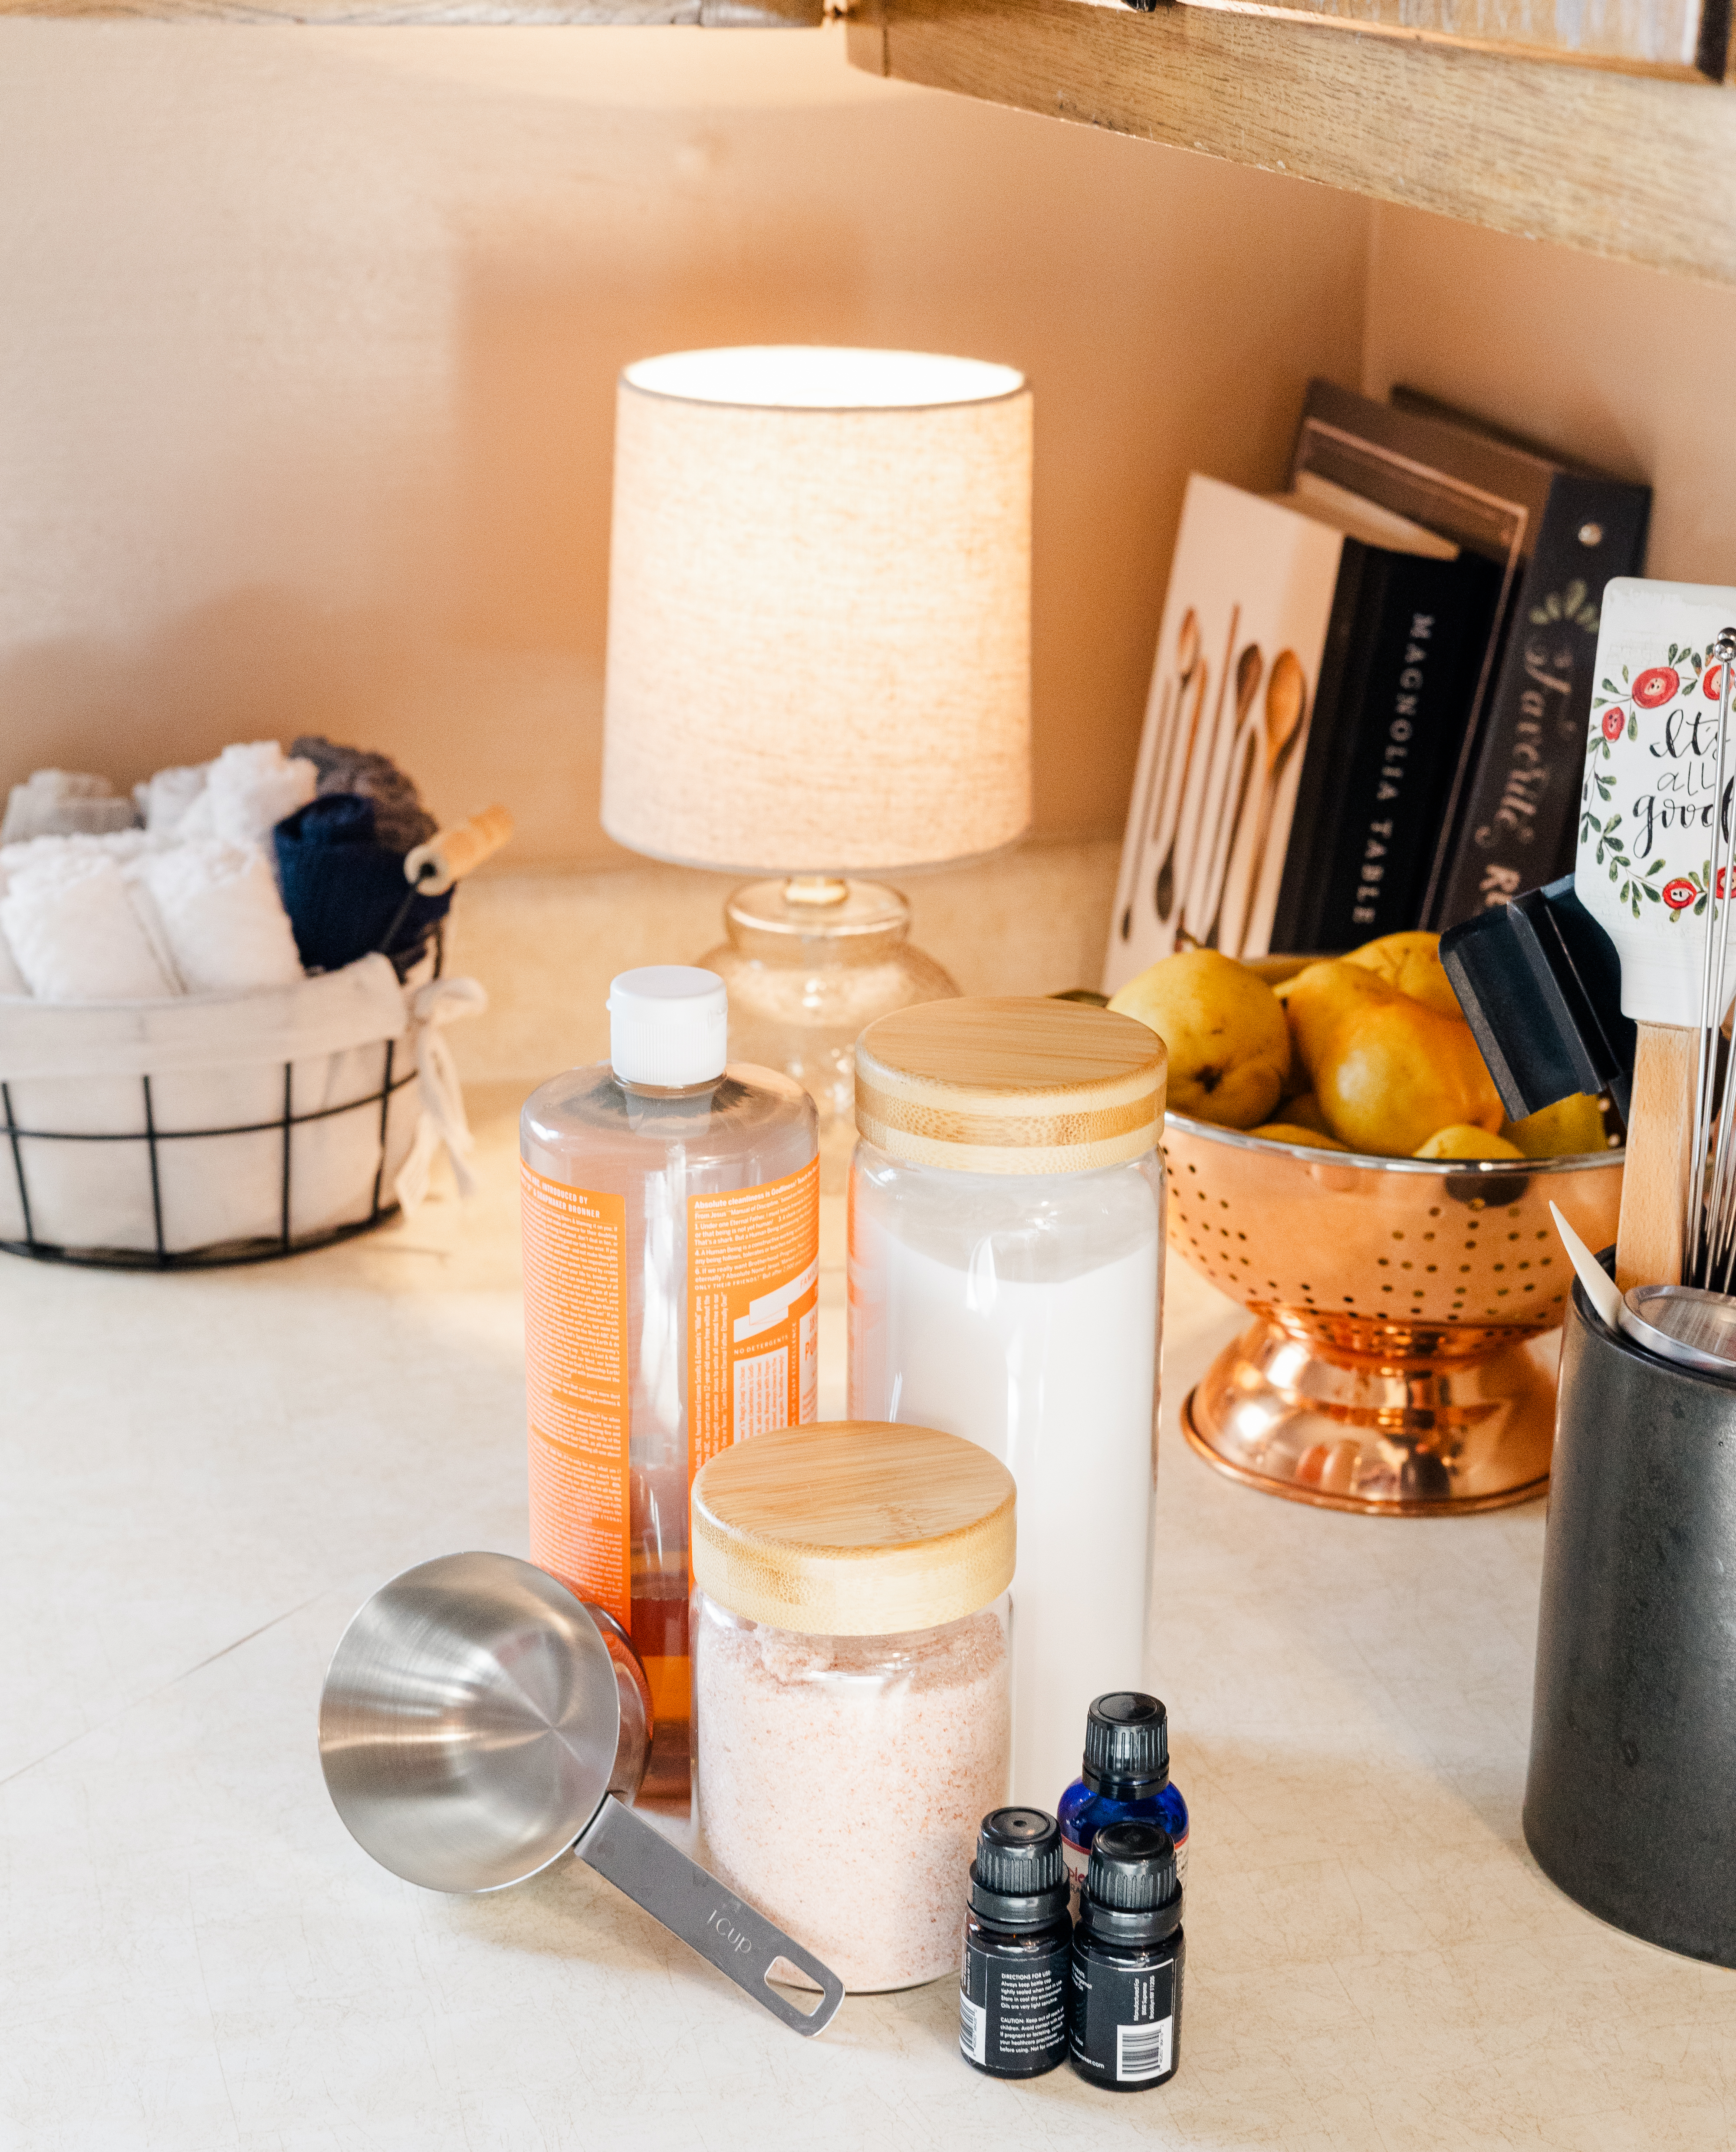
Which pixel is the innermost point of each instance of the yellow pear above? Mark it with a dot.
(1563, 1130)
(1302, 1112)
(1462, 1140)
(1412, 963)
(1394, 1072)
(1228, 1043)
(1289, 1132)
(1320, 1000)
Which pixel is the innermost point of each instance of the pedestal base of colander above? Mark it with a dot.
(1390, 1435)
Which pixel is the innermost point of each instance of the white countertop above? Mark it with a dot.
(205, 1474)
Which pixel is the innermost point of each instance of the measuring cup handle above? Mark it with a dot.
(678, 1892)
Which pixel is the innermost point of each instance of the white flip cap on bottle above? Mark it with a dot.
(668, 1024)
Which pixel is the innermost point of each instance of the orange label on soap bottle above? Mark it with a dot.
(753, 1365)
(753, 1312)
(576, 1388)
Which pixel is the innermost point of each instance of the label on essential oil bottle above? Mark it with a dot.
(1125, 2019)
(753, 1312)
(1012, 2012)
(577, 1387)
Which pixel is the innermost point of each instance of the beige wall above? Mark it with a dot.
(1625, 367)
(307, 342)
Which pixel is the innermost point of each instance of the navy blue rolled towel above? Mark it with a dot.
(344, 891)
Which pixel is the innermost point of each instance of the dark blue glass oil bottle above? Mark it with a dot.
(1126, 1779)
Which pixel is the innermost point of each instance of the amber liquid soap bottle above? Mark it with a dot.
(670, 1217)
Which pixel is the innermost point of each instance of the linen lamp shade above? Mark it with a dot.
(818, 610)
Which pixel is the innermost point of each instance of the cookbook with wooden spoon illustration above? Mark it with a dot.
(1315, 667)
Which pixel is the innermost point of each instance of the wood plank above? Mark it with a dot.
(714, 14)
(1624, 166)
(1684, 39)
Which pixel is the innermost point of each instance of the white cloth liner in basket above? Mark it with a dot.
(331, 1087)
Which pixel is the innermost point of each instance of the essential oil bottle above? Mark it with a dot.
(1017, 1940)
(671, 1213)
(1125, 1779)
(1128, 1954)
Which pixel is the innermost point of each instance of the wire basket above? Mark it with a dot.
(213, 1129)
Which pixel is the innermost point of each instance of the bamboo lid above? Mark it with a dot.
(1010, 1085)
(855, 1528)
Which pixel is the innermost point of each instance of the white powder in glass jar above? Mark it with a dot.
(842, 1780)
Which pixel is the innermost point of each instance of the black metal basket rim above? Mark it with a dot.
(221, 1254)
(8, 1127)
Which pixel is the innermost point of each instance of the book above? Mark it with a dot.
(1398, 677)
(1315, 666)
(1555, 532)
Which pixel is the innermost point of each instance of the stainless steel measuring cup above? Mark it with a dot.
(470, 1730)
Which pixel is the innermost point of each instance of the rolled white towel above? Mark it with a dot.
(248, 790)
(221, 916)
(122, 844)
(70, 922)
(56, 802)
(163, 799)
(12, 979)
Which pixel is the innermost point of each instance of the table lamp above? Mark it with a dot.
(818, 665)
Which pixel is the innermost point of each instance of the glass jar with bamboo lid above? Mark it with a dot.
(1006, 1276)
(850, 1684)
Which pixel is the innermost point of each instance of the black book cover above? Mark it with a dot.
(1557, 531)
(1515, 824)
(1397, 678)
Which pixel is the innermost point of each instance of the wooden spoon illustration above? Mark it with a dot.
(1287, 700)
(1209, 824)
(1247, 747)
(1187, 654)
(1163, 750)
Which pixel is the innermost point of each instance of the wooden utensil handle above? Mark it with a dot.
(453, 853)
(1654, 1176)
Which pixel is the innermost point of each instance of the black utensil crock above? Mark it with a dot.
(1630, 1801)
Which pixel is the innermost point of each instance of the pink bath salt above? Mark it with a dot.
(842, 1780)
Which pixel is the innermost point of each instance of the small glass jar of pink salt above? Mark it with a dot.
(851, 1693)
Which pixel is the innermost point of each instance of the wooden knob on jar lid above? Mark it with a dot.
(853, 1528)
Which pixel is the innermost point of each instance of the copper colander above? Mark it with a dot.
(1393, 1298)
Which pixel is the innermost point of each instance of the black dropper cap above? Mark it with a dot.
(1018, 1878)
(1127, 1746)
(1131, 1888)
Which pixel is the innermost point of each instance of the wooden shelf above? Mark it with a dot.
(1632, 166)
(714, 14)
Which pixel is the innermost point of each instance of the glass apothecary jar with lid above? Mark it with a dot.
(850, 1684)
(1006, 1281)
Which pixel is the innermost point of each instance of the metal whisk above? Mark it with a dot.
(1708, 1234)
